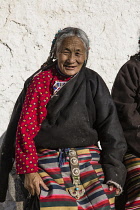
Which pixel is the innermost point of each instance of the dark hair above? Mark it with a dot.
(137, 55)
(60, 36)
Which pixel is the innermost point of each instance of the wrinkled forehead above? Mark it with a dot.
(72, 43)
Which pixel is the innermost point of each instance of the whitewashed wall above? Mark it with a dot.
(28, 27)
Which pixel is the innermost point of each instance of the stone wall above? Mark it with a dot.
(27, 29)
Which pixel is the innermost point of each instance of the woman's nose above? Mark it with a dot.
(71, 58)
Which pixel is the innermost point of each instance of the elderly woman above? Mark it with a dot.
(67, 109)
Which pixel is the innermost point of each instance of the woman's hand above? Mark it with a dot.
(33, 182)
(111, 188)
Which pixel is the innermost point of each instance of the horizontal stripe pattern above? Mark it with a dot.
(132, 164)
(58, 179)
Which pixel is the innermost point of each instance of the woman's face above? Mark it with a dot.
(71, 55)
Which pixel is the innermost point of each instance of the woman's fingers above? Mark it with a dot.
(112, 187)
(32, 191)
(43, 185)
(37, 187)
(32, 183)
(118, 191)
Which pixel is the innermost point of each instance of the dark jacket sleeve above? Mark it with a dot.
(126, 95)
(110, 135)
(7, 150)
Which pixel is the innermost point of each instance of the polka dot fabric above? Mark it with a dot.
(33, 113)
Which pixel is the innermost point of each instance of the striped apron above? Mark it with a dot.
(132, 163)
(58, 178)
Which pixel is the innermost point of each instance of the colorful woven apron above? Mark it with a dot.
(87, 193)
(132, 163)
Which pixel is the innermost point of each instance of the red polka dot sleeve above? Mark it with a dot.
(33, 113)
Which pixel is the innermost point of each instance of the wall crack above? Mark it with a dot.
(6, 45)
(20, 24)
(9, 13)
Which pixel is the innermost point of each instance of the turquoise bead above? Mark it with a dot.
(76, 188)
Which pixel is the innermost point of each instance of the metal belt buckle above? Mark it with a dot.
(77, 191)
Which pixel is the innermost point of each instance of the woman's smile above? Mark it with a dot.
(68, 67)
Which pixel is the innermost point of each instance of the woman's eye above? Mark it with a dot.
(77, 54)
(65, 52)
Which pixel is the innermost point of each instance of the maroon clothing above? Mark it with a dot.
(126, 95)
